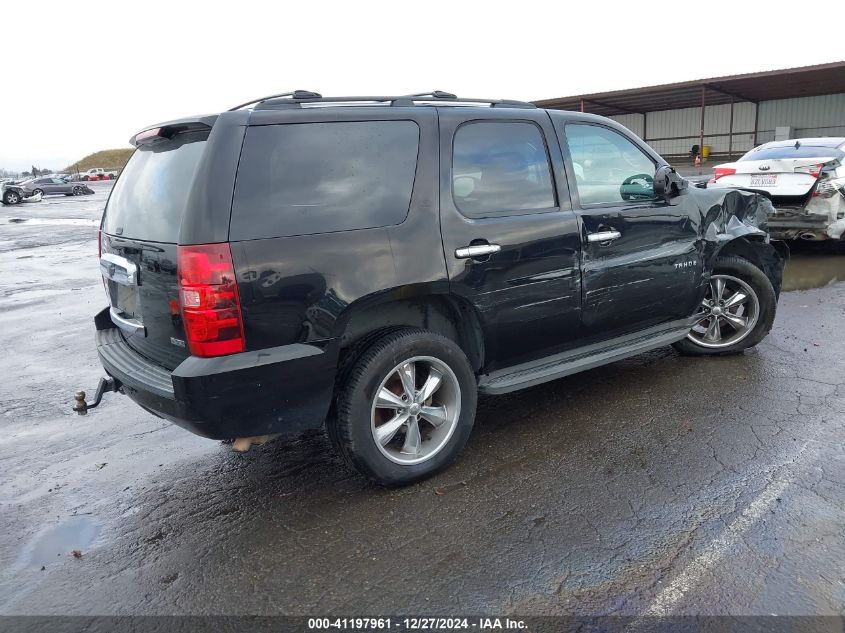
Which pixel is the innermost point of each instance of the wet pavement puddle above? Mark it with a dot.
(806, 271)
(52, 221)
(73, 534)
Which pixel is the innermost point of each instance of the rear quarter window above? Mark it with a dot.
(306, 178)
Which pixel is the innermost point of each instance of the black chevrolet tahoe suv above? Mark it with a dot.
(371, 264)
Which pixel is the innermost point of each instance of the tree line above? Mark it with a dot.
(34, 171)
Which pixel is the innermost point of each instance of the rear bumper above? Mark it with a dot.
(787, 224)
(283, 390)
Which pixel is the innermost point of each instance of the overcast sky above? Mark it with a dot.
(83, 76)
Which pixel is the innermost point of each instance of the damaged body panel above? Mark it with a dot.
(678, 260)
(737, 223)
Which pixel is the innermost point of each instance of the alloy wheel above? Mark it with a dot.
(728, 313)
(415, 410)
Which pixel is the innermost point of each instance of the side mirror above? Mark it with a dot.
(667, 182)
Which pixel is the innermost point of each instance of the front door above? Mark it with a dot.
(510, 238)
(642, 260)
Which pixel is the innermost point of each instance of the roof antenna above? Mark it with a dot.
(797, 144)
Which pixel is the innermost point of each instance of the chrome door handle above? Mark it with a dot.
(476, 250)
(604, 236)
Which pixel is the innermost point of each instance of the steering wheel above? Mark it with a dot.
(637, 187)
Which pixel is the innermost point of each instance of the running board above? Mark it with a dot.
(581, 359)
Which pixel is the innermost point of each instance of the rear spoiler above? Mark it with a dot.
(169, 129)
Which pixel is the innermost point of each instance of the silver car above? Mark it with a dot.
(49, 186)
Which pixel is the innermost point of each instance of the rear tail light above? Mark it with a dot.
(814, 170)
(209, 300)
(720, 172)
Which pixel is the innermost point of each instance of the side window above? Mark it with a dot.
(608, 167)
(304, 178)
(500, 168)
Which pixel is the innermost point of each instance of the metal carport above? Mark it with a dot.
(754, 88)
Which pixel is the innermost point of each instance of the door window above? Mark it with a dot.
(501, 168)
(609, 168)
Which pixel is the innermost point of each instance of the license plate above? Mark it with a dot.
(121, 277)
(764, 180)
(124, 299)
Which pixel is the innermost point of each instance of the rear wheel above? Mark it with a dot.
(736, 313)
(11, 197)
(405, 407)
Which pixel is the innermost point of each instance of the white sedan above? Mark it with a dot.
(805, 179)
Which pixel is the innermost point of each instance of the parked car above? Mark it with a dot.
(13, 193)
(51, 186)
(371, 264)
(805, 179)
(98, 173)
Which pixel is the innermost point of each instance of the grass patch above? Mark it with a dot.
(108, 159)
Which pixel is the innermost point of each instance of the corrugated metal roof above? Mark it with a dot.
(805, 81)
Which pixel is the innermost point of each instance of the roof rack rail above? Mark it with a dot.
(299, 97)
(296, 94)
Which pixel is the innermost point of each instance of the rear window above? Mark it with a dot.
(304, 178)
(149, 198)
(790, 151)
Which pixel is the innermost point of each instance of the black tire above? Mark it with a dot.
(77, 191)
(35, 192)
(742, 269)
(11, 197)
(350, 425)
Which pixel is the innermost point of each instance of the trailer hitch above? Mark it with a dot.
(105, 385)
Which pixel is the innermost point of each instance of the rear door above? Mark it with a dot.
(642, 259)
(45, 185)
(509, 235)
(61, 186)
(140, 232)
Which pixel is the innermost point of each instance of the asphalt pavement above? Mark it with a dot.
(656, 485)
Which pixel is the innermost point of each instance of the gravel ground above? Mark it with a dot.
(657, 485)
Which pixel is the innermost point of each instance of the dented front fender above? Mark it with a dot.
(735, 222)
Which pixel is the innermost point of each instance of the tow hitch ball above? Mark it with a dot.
(106, 385)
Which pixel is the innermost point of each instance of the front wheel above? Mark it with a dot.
(77, 191)
(11, 197)
(405, 407)
(736, 313)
